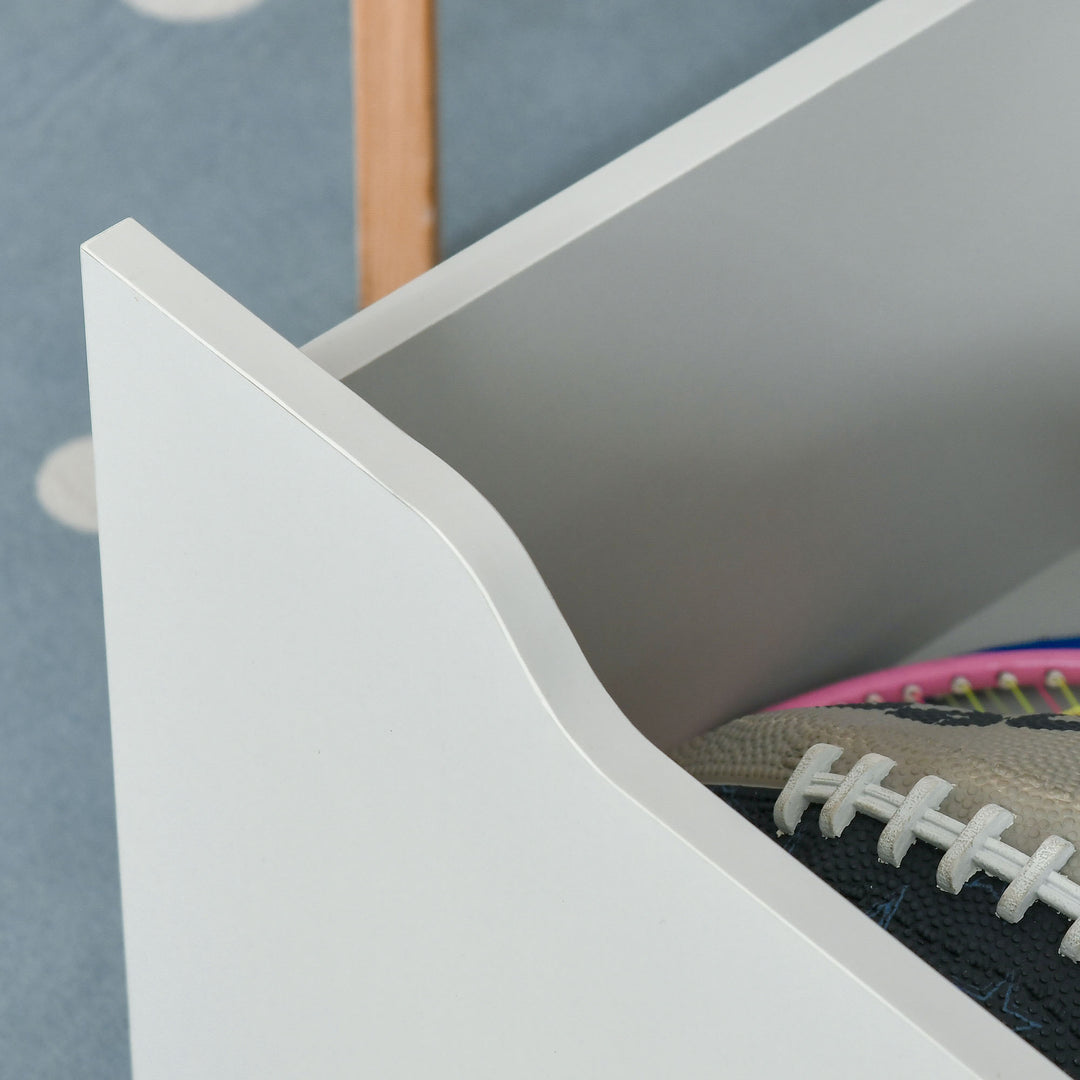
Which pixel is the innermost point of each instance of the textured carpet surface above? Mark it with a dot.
(224, 127)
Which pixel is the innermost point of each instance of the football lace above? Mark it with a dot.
(968, 847)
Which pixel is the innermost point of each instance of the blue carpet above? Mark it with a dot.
(230, 139)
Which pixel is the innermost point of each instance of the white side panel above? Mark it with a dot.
(658, 162)
(355, 840)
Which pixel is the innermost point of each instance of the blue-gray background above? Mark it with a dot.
(231, 140)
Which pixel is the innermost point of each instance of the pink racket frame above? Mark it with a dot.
(934, 678)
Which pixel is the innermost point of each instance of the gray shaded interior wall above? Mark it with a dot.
(1044, 606)
(809, 405)
(533, 96)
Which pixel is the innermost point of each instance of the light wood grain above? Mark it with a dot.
(394, 80)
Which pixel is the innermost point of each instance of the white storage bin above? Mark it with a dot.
(398, 629)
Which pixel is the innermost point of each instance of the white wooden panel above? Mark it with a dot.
(376, 816)
(1047, 605)
(788, 391)
(631, 178)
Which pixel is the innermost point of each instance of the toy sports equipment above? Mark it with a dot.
(954, 828)
(1011, 680)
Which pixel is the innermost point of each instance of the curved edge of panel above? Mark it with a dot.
(549, 655)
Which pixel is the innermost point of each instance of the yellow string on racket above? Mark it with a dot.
(1008, 681)
(1056, 681)
(961, 685)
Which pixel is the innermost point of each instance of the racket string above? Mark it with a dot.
(961, 686)
(1007, 696)
(1008, 681)
(1056, 680)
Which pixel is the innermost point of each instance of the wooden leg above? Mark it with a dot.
(394, 80)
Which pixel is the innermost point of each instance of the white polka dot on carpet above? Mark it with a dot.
(192, 10)
(65, 485)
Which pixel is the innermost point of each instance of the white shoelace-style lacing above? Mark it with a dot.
(968, 847)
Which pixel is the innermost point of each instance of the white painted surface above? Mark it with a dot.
(803, 407)
(602, 196)
(376, 815)
(192, 10)
(64, 485)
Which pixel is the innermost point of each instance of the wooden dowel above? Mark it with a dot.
(394, 78)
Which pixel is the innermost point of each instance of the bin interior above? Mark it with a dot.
(799, 412)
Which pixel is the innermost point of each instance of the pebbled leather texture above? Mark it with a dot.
(1012, 969)
(1028, 764)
